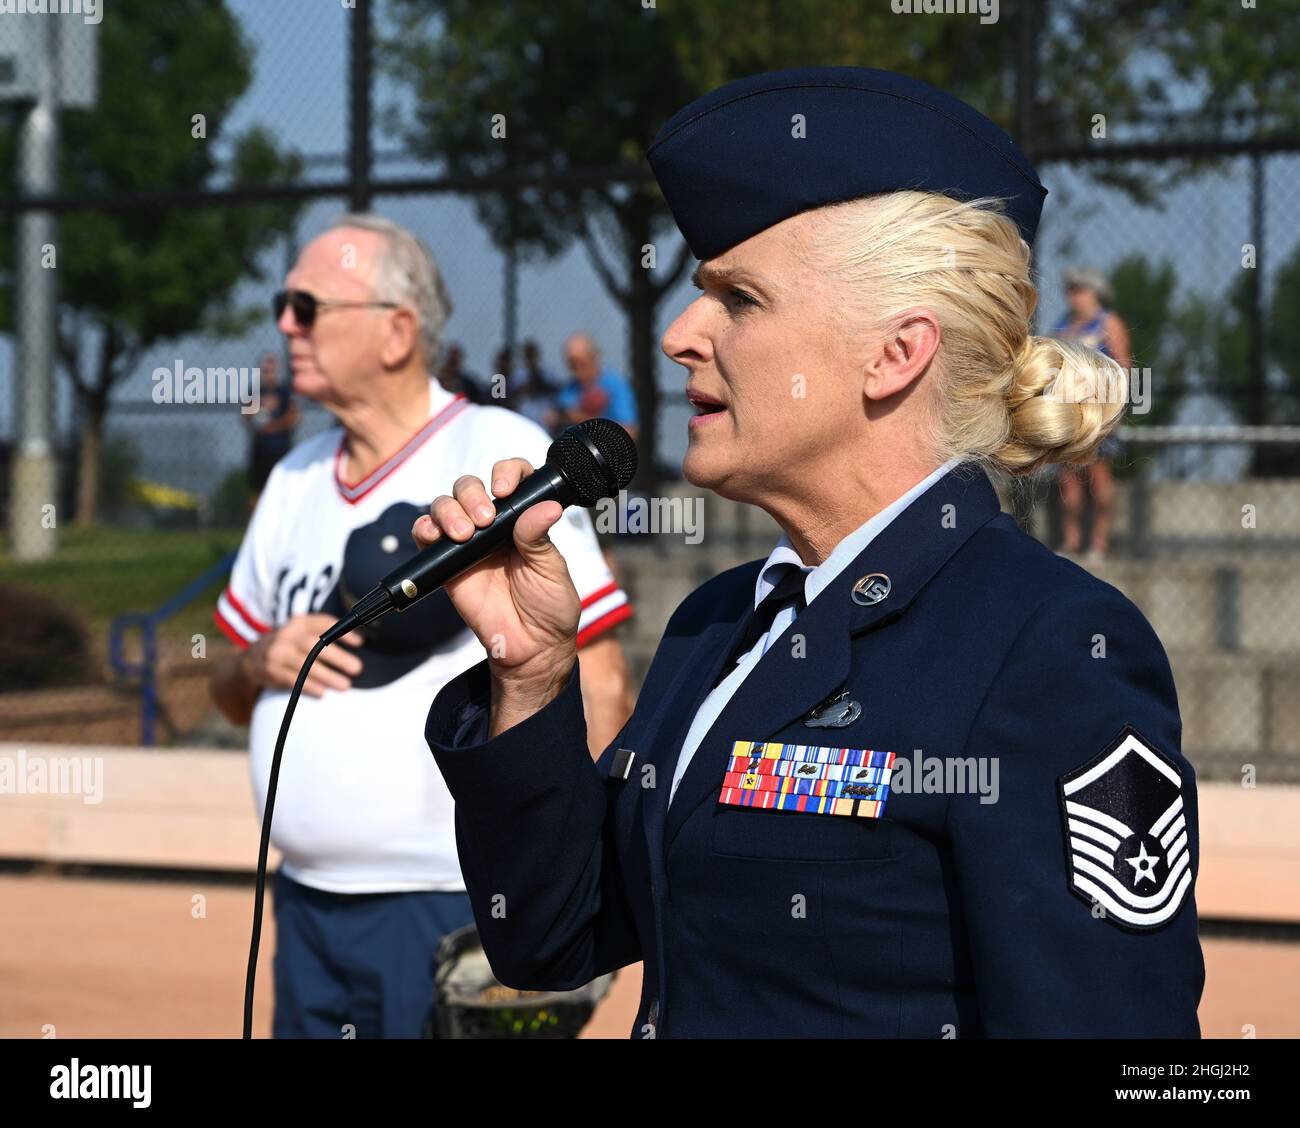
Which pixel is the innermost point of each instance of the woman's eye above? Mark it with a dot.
(730, 295)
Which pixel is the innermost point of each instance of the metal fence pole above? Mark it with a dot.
(34, 485)
(360, 65)
(1258, 376)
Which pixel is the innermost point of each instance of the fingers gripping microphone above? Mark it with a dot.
(588, 462)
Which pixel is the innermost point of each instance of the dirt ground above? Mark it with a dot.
(113, 958)
(124, 958)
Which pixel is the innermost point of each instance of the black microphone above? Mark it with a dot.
(589, 461)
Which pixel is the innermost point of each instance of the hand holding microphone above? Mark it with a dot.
(521, 604)
(519, 601)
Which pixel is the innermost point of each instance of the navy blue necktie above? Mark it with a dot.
(788, 589)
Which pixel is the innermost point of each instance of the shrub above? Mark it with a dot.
(42, 645)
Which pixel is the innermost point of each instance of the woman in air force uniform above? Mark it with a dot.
(912, 775)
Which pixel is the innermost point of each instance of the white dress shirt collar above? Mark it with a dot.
(820, 575)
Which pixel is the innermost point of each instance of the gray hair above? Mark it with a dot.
(1086, 278)
(407, 273)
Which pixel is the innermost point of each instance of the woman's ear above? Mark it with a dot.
(902, 354)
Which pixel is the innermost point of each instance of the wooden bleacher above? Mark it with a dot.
(189, 809)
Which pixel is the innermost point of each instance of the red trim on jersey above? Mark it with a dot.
(230, 632)
(604, 623)
(255, 623)
(348, 491)
(595, 595)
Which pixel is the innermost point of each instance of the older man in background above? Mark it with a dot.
(370, 881)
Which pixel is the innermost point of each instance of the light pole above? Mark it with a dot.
(34, 481)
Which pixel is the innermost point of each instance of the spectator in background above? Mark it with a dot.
(369, 881)
(533, 388)
(535, 370)
(595, 391)
(1091, 322)
(456, 378)
(273, 425)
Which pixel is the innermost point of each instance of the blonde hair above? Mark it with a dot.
(1012, 401)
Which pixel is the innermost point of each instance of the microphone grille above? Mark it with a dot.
(597, 457)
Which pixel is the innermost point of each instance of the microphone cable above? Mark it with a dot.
(265, 847)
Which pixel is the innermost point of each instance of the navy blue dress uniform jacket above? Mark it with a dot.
(947, 916)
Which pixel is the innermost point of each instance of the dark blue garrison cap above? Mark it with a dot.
(730, 164)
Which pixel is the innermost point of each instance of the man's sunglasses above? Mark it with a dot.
(305, 305)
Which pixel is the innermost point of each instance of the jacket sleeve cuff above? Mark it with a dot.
(457, 733)
(459, 715)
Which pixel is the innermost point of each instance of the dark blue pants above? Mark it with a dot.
(360, 965)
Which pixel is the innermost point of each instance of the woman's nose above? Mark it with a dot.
(685, 340)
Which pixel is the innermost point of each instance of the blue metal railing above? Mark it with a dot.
(148, 622)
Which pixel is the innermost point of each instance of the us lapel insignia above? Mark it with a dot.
(839, 711)
(807, 778)
(871, 589)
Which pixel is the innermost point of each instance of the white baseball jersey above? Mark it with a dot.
(361, 806)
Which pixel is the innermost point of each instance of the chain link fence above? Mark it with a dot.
(1200, 247)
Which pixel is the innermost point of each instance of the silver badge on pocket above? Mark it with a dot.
(839, 711)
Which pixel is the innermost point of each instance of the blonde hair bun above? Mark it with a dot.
(1062, 400)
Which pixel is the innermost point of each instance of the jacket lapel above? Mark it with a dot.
(785, 686)
(684, 696)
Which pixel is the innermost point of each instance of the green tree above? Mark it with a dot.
(1143, 297)
(1205, 347)
(1228, 324)
(586, 85)
(1284, 339)
(131, 279)
(1236, 379)
(1283, 352)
